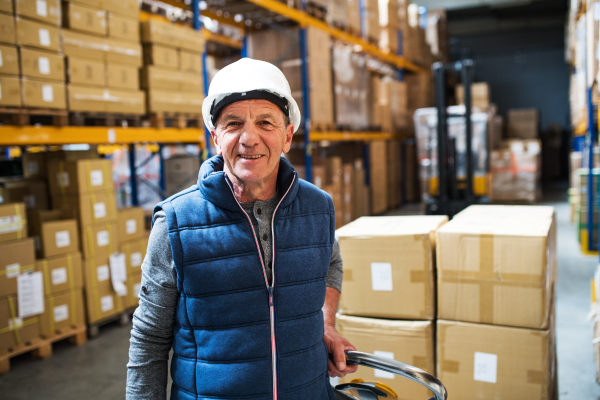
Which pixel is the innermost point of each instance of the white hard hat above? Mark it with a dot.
(249, 79)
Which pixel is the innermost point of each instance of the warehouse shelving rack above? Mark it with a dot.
(49, 135)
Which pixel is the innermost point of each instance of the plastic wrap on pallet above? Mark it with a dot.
(425, 121)
(351, 86)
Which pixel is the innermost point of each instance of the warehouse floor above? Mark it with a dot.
(96, 371)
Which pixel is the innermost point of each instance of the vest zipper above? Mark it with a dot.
(269, 287)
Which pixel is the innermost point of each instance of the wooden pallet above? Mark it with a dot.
(33, 116)
(105, 119)
(41, 348)
(316, 10)
(121, 319)
(176, 120)
(322, 127)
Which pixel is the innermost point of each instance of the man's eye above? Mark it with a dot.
(234, 123)
(265, 123)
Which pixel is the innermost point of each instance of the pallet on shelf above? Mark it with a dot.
(175, 120)
(32, 116)
(105, 119)
(122, 319)
(41, 348)
(323, 127)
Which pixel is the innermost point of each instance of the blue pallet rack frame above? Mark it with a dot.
(591, 138)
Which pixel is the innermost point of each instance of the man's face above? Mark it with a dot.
(251, 135)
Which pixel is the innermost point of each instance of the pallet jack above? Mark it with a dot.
(358, 389)
(454, 193)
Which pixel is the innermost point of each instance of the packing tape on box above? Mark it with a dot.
(100, 46)
(22, 269)
(72, 287)
(96, 308)
(16, 322)
(449, 366)
(88, 174)
(90, 241)
(61, 173)
(51, 313)
(106, 96)
(20, 217)
(93, 198)
(347, 276)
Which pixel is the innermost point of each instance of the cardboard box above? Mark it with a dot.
(99, 240)
(34, 193)
(122, 27)
(361, 193)
(335, 191)
(168, 101)
(161, 56)
(379, 179)
(88, 72)
(18, 257)
(135, 252)
(153, 78)
(10, 60)
(348, 193)
(27, 328)
(190, 62)
(180, 173)
(43, 94)
(34, 165)
(516, 171)
(42, 64)
(488, 268)
(482, 361)
(61, 273)
(6, 6)
(106, 100)
(101, 299)
(84, 19)
(73, 155)
(134, 284)
(10, 91)
(131, 223)
(80, 176)
(90, 208)
(411, 342)
(503, 212)
(55, 232)
(522, 123)
(127, 8)
(123, 76)
(480, 95)
(167, 34)
(62, 310)
(38, 35)
(47, 11)
(7, 29)
(98, 48)
(389, 266)
(13, 222)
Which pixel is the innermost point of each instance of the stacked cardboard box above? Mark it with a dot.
(85, 187)
(337, 10)
(491, 260)
(353, 17)
(273, 47)
(351, 87)
(370, 21)
(172, 73)
(394, 175)
(378, 156)
(32, 192)
(103, 56)
(388, 22)
(516, 171)
(35, 79)
(582, 210)
(133, 242)
(480, 95)
(388, 293)
(522, 123)
(334, 183)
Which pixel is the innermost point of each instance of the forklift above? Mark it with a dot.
(454, 193)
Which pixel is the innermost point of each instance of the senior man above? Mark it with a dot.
(243, 273)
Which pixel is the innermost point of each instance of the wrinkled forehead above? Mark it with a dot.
(251, 108)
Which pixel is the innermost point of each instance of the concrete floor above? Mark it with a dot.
(96, 371)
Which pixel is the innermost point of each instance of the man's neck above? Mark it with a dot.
(250, 192)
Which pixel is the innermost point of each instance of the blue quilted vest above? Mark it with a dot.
(235, 337)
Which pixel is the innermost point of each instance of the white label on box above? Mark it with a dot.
(13, 270)
(63, 239)
(384, 374)
(44, 37)
(136, 289)
(103, 273)
(63, 179)
(59, 276)
(112, 136)
(96, 177)
(318, 181)
(29, 201)
(102, 238)
(41, 8)
(18, 322)
(485, 367)
(11, 223)
(136, 259)
(47, 93)
(44, 65)
(118, 273)
(106, 303)
(30, 296)
(130, 226)
(61, 313)
(381, 277)
(99, 210)
(33, 167)
(0, 58)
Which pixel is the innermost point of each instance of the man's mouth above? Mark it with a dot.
(250, 157)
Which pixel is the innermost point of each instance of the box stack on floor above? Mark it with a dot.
(581, 207)
(103, 56)
(490, 261)
(387, 306)
(172, 73)
(32, 68)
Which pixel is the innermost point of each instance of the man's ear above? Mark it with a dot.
(215, 140)
(289, 134)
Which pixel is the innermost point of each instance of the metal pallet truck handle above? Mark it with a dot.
(401, 369)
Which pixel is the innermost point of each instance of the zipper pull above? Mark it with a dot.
(270, 296)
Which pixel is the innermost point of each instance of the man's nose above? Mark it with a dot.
(250, 135)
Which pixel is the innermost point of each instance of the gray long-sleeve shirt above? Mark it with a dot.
(154, 319)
